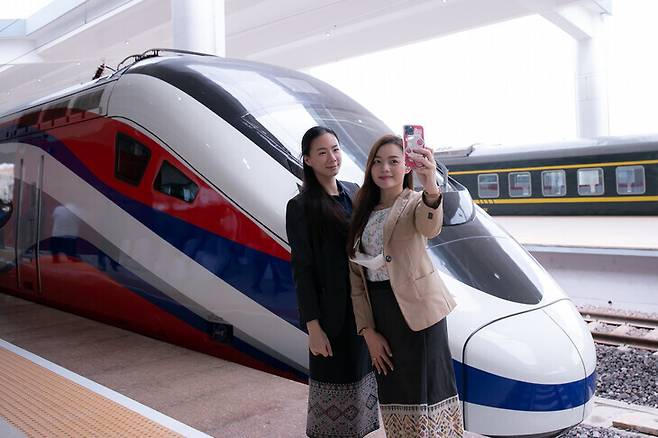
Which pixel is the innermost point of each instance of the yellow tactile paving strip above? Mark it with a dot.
(41, 403)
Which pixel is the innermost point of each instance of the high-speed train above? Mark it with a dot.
(154, 199)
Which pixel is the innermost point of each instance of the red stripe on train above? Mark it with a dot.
(92, 142)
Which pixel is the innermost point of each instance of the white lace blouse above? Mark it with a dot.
(372, 242)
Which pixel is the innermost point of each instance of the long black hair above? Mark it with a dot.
(324, 212)
(368, 196)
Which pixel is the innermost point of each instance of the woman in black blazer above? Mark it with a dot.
(342, 399)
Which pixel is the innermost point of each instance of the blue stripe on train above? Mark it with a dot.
(488, 389)
(92, 255)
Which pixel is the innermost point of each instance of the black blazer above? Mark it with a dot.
(319, 267)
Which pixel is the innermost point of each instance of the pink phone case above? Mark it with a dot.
(413, 136)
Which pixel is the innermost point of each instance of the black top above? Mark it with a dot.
(319, 265)
(343, 198)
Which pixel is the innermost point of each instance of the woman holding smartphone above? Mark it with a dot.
(399, 299)
(342, 399)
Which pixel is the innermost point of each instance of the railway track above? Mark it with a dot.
(618, 329)
(620, 416)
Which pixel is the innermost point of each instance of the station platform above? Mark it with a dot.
(40, 398)
(60, 371)
(601, 261)
(614, 233)
(201, 392)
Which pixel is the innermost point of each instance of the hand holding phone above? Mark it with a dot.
(413, 137)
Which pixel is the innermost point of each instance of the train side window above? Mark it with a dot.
(87, 102)
(554, 183)
(488, 185)
(131, 159)
(519, 185)
(630, 180)
(29, 120)
(590, 182)
(173, 182)
(54, 112)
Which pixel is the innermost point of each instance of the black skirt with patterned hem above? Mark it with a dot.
(419, 397)
(342, 393)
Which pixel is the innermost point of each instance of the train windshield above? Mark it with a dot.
(480, 254)
(281, 105)
(496, 266)
(274, 107)
(355, 131)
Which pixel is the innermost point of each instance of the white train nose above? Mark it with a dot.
(528, 373)
(565, 314)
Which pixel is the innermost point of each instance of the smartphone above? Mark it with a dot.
(413, 137)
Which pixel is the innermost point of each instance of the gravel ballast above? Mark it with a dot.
(627, 374)
(585, 431)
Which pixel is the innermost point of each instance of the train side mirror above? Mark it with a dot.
(443, 172)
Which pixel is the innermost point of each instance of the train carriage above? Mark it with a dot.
(603, 176)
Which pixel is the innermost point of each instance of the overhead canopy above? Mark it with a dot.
(63, 43)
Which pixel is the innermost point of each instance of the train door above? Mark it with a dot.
(28, 220)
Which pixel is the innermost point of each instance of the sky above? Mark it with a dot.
(508, 83)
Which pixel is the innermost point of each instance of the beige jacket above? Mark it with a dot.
(423, 297)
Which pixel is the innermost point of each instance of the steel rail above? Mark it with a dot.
(619, 319)
(648, 341)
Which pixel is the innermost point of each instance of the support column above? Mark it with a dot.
(199, 26)
(592, 84)
(585, 22)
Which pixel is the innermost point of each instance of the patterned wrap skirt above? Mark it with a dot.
(419, 397)
(342, 397)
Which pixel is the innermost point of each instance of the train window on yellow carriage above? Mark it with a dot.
(519, 185)
(590, 182)
(6, 194)
(630, 180)
(488, 185)
(554, 183)
(131, 159)
(173, 182)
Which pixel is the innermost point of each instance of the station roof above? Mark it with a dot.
(63, 43)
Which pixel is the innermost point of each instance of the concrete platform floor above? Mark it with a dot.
(630, 232)
(217, 397)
